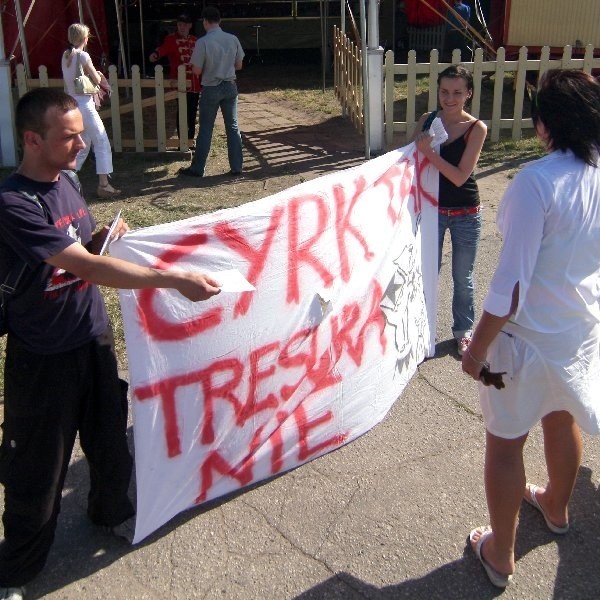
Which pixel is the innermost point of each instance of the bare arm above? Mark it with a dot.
(457, 175)
(487, 329)
(91, 72)
(99, 236)
(238, 65)
(117, 273)
(419, 127)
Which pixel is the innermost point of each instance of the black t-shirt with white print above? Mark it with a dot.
(53, 311)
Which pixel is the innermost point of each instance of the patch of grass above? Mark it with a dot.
(309, 100)
(511, 152)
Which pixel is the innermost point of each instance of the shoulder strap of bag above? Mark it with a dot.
(78, 67)
(429, 120)
(73, 179)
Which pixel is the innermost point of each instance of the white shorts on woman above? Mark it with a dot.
(545, 372)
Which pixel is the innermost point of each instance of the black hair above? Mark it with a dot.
(457, 72)
(211, 14)
(567, 102)
(30, 114)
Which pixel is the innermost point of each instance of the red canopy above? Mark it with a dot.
(46, 32)
(419, 13)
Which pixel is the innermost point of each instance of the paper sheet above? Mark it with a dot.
(231, 280)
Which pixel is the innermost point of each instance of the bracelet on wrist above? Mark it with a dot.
(482, 363)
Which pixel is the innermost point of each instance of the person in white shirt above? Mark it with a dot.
(94, 135)
(541, 322)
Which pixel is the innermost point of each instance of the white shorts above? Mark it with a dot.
(545, 372)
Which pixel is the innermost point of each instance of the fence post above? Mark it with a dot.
(115, 113)
(21, 80)
(434, 69)
(588, 58)
(389, 97)
(411, 88)
(519, 95)
(43, 76)
(566, 58)
(182, 104)
(544, 60)
(477, 82)
(138, 120)
(159, 90)
(498, 89)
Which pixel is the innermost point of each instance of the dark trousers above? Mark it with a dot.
(192, 99)
(458, 39)
(48, 400)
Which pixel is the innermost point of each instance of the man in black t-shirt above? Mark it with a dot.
(60, 373)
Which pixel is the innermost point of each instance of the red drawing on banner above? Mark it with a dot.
(234, 239)
(226, 379)
(418, 191)
(302, 252)
(151, 321)
(343, 226)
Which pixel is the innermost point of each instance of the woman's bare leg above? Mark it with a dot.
(563, 450)
(504, 484)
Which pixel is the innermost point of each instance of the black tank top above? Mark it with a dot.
(451, 196)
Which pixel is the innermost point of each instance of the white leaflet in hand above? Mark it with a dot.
(111, 230)
(438, 133)
(232, 280)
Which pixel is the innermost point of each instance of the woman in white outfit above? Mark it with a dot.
(94, 134)
(541, 320)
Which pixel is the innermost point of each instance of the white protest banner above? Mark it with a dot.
(247, 385)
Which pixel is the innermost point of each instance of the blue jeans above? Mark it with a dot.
(465, 231)
(212, 97)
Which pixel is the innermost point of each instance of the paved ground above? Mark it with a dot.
(385, 517)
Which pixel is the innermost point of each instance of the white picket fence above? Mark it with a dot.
(501, 70)
(347, 77)
(143, 100)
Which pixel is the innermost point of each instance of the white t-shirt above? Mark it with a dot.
(70, 72)
(550, 224)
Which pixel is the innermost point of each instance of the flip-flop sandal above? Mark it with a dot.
(532, 489)
(498, 579)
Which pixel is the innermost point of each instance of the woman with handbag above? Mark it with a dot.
(82, 82)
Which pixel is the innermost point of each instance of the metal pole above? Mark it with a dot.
(142, 40)
(80, 9)
(323, 43)
(121, 44)
(24, 23)
(22, 37)
(343, 16)
(365, 77)
(126, 8)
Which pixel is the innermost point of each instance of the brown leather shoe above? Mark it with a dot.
(107, 191)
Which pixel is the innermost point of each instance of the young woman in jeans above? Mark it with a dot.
(459, 207)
